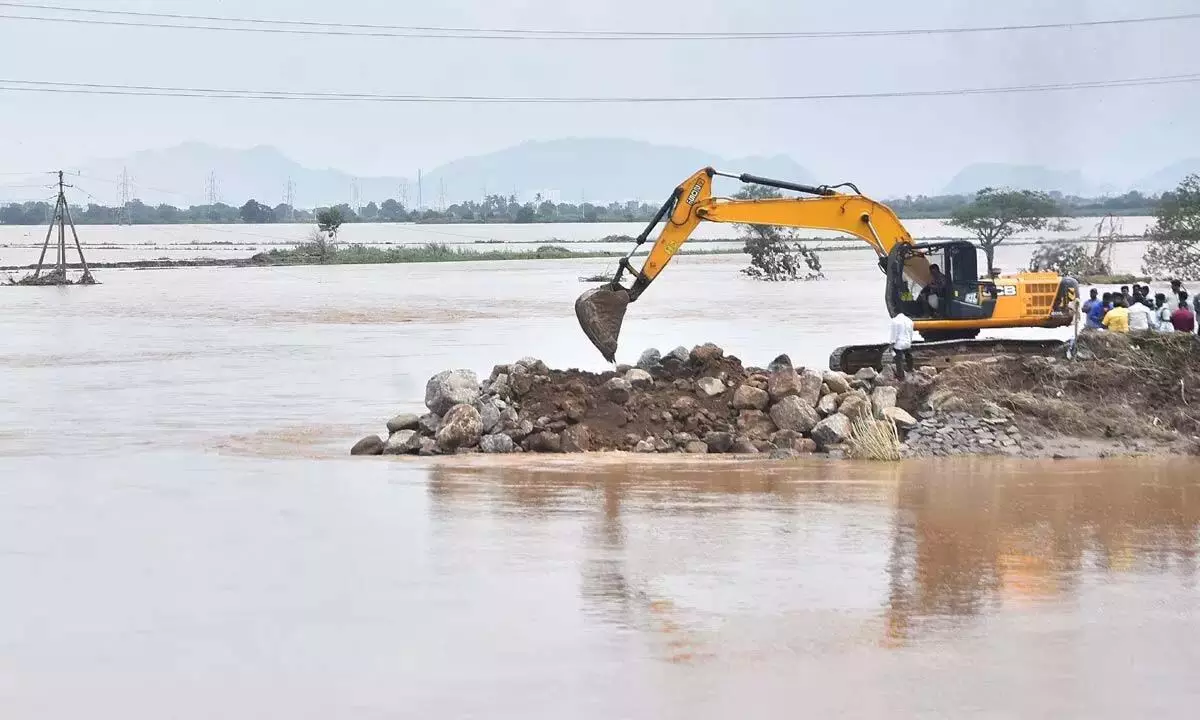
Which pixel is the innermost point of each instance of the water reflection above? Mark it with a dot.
(901, 552)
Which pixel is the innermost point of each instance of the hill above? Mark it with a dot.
(1168, 178)
(600, 169)
(1032, 177)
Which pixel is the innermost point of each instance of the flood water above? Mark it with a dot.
(21, 245)
(182, 534)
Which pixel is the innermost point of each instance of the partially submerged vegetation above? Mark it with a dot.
(313, 253)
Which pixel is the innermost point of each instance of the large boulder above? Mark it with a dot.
(449, 388)
(794, 413)
(747, 397)
(645, 446)
(404, 421)
(709, 387)
(903, 420)
(680, 353)
(838, 382)
(867, 374)
(520, 381)
(783, 382)
(684, 406)
(695, 447)
(743, 446)
(403, 442)
(533, 365)
(780, 363)
(498, 386)
(576, 439)
(617, 391)
(833, 430)
(755, 424)
(497, 444)
(490, 412)
(370, 445)
(428, 423)
(706, 353)
(649, 358)
(856, 406)
(639, 379)
(460, 428)
(882, 398)
(544, 442)
(810, 387)
(828, 404)
(718, 442)
(521, 430)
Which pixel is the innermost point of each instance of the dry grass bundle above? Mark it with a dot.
(872, 439)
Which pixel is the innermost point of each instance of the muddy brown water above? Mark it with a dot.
(181, 534)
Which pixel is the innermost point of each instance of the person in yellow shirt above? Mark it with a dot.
(1117, 319)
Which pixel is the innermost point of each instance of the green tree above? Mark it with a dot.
(1175, 238)
(329, 221)
(255, 212)
(391, 211)
(994, 216)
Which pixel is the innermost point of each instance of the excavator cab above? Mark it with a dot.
(966, 295)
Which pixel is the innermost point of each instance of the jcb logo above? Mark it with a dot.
(695, 193)
(1006, 290)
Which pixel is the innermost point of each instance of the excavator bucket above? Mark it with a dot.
(600, 312)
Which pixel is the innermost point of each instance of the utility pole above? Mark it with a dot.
(61, 218)
(123, 187)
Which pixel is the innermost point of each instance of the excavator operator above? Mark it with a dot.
(934, 293)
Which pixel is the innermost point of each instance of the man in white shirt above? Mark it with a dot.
(902, 339)
(1141, 318)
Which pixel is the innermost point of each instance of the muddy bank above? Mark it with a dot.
(1122, 395)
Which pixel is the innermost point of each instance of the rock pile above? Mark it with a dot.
(960, 433)
(698, 401)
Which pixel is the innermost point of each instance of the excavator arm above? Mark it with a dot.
(602, 310)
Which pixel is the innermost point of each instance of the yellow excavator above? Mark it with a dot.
(965, 301)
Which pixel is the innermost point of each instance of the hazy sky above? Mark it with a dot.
(886, 145)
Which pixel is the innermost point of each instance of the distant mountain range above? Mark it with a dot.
(1069, 182)
(600, 170)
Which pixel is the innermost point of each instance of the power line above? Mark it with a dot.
(42, 86)
(312, 27)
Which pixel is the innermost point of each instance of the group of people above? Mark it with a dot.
(1137, 311)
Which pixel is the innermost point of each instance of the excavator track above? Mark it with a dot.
(852, 358)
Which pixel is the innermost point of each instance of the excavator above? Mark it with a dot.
(967, 302)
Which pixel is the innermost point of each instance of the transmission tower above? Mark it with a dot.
(442, 195)
(420, 191)
(404, 194)
(289, 199)
(355, 196)
(123, 189)
(211, 191)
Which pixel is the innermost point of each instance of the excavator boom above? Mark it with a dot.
(601, 311)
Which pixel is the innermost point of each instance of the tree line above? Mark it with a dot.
(499, 209)
(493, 209)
